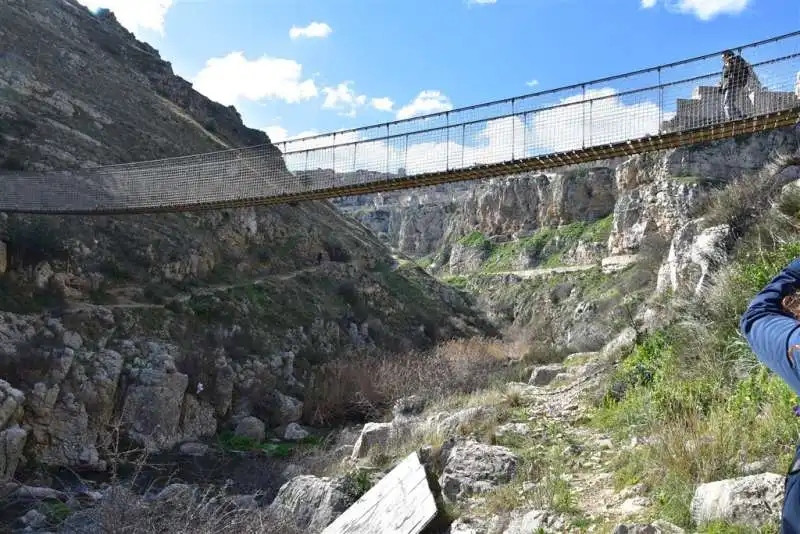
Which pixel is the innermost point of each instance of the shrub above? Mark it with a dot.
(363, 385)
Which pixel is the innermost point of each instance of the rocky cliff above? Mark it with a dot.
(651, 223)
(171, 327)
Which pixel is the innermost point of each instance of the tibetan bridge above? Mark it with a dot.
(656, 108)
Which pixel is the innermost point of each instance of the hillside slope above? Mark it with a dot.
(209, 316)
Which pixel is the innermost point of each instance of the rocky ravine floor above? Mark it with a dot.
(525, 458)
(518, 458)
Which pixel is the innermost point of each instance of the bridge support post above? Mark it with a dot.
(513, 127)
(447, 129)
(660, 103)
(583, 116)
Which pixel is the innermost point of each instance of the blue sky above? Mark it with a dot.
(355, 62)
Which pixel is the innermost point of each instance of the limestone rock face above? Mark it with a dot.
(694, 253)
(657, 192)
(467, 258)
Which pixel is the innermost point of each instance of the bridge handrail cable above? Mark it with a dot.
(647, 70)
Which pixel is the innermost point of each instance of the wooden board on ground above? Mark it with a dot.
(401, 503)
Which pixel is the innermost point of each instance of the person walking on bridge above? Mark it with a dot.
(736, 74)
(772, 329)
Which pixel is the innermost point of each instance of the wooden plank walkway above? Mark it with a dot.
(401, 503)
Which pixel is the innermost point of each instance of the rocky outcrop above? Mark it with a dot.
(693, 254)
(311, 503)
(658, 192)
(467, 258)
(751, 501)
(473, 467)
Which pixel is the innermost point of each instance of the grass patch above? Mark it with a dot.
(475, 239)
(555, 241)
(693, 386)
(230, 442)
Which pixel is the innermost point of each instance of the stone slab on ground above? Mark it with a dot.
(401, 503)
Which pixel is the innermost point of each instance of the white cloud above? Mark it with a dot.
(382, 104)
(135, 16)
(605, 119)
(233, 77)
(343, 98)
(532, 83)
(318, 30)
(278, 134)
(425, 103)
(702, 9)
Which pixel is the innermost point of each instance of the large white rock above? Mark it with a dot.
(373, 436)
(473, 467)
(536, 521)
(542, 375)
(748, 501)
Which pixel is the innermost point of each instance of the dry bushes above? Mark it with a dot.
(194, 511)
(363, 385)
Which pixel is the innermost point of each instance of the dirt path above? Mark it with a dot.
(544, 271)
(127, 296)
(589, 464)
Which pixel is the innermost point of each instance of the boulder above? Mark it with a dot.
(192, 448)
(471, 467)
(476, 525)
(373, 435)
(536, 521)
(310, 503)
(750, 501)
(447, 424)
(252, 428)
(656, 527)
(542, 375)
(12, 443)
(295, 432)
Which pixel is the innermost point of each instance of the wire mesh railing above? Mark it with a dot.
(685, 96)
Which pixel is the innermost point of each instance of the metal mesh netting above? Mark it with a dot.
(630, 111)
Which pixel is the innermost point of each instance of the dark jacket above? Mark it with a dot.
(773, 334)
(735, 73)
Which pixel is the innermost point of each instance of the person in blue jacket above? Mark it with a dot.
(773, 332)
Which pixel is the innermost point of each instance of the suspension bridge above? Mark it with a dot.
(657, 108)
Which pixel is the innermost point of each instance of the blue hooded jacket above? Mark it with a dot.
(773, 334)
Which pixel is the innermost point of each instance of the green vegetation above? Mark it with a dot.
(459, 282)
(230, 442)
(56, 512)
(692, 386)
(503, 255)
(475, 239)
